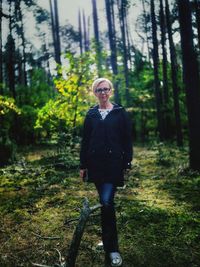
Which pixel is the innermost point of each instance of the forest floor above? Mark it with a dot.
(158, 212)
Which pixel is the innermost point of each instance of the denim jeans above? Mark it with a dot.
(108, 219)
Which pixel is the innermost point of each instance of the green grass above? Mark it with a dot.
(158, 212)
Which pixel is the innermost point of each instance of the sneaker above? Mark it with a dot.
(115, 259)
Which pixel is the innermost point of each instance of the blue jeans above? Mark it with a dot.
(108, 219)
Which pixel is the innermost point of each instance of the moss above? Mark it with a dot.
(158, 213)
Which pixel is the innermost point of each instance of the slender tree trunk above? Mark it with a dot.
(197, 8)
(191, 81)
(57, 30)
(146, 29)
(46, 61)
(88, 33)
(18, 6)
(10, 60)
(53, 27)
(97, 41)
(113, 48)
(166, 114)
(174, 75)
(85, 33)
(156, 75)
(1, 54)
(128, 40)
(80, 33)
(10, 63)
(122, 11)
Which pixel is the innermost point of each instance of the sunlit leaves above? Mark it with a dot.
(7, 104)
(74, 95)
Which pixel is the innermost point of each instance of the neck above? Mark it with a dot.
(105, 105)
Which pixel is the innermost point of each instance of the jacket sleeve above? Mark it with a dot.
(85, 142)
(127, 141)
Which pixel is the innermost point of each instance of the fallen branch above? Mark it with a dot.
(70, 220)
(46, 237)
(76, 239)
(40, 265)
(75, 243)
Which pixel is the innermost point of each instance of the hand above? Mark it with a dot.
(82, 173)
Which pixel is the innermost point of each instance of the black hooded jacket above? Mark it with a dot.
(106, 147)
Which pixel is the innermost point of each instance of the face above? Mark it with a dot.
(103, 92)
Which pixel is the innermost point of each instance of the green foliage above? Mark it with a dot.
(7, 151)
(8, 110)
(142, 96)
(74, 95)
(24, 130)
(164, 155)
(158, 220)
(7, 104)
(30, 99)
(37, 93)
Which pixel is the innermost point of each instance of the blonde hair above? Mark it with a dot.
(100, 80)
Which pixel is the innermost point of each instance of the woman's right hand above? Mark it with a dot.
(82, 173)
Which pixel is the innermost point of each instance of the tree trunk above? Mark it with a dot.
(129, 56)
(158, 95)
(164, 72)
(10, 65)
(1, 54)
(113, 48)
(18, 7)
(191, 81)
(97, 42)
(85, 33)
(55, 30)
(10, 59)
(80, 33)
(53, 27)
(57, 26)
(88, 32)
(122, 11)
(146, 29)
(174, 75)
(197, 8)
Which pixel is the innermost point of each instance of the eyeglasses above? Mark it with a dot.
(101, 90)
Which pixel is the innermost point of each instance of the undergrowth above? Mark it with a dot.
(158, 211)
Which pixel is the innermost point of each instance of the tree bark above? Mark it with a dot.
(97, 41)
(146, 29)
(57, 30)
(18, 7)
(80, 33)
(122, 11)
(191, 82)
(113, 48)
(164, 72)
(158, 95)
(197, 8)
(1, 54)
(129, 56)
(10, 59)
(174, 76)
(88, 32)
(53, 27)
(85, 33)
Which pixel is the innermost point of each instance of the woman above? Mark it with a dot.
(106, 151)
